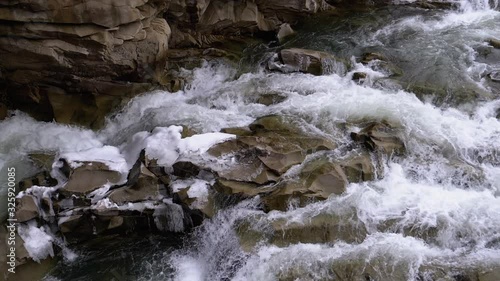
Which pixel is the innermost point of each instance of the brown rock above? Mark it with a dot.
(26, 209)
(368, 57)
(75, 61)
(89, 177)
(245, 189)
(146, 187)
(318, 179)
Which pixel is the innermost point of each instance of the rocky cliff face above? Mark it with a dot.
(75, 60)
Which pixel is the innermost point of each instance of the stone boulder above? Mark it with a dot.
(75, 61)
(318, 179)
(26, 209)
(88, 177)
(146, 187)
(495, 43)
(307, 61)
(380, 137)
(267, 149)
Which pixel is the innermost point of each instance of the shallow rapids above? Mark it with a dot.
(434, 214)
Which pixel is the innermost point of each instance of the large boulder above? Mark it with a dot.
(318, 179)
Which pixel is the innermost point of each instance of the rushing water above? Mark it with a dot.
(434, 214)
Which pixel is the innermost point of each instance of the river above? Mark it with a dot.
(434, 213)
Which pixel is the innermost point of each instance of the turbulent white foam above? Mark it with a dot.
(37, 241)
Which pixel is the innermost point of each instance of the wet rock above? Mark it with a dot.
(41, 179)
(145, 187)
(274, 141)
(495, 43)
(284, 32)
(187, 132)
(318, 179)
(380, 136)
(157, 170)
(89, 177)
(185, 169)
(308, 61)
(73, 61)
(26, 209)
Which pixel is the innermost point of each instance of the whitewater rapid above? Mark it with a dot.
(436, 209)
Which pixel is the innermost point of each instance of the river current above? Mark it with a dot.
(434, 214)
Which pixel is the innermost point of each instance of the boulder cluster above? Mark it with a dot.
(274, 159)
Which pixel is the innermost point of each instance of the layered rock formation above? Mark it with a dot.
(74, 61)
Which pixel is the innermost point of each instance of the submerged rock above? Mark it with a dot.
(40, 179)
(308, 61)
(145, 187)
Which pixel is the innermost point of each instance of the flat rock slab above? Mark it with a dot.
(89, 177)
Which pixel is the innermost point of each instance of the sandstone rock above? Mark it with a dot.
(74, 61)
(273, 141)
(359, 76)
(271, 98)
(26, 209)
(368, 57)
(145, 187)
(319, 179)
(244, 189)
(308, 61)
(89, 177)
(380, 136)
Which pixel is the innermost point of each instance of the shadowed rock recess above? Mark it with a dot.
(75, 61)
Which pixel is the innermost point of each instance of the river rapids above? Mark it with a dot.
(433, 214)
